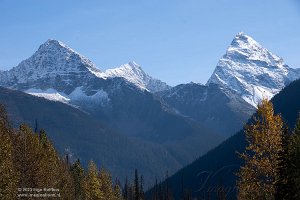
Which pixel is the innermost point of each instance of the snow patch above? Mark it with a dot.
(99, 97)
(78, 95)
(50, 94)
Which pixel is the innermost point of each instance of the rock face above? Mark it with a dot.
(252, 71)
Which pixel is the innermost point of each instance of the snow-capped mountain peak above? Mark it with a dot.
(52, 60)
(59, 50)
(134, 73)
(251, 70)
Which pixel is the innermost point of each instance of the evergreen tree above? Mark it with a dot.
(136, 185)
(117, 191)
(142, 194)
(106, 184)
(28, 159)
(92, 184)
(8, 176)
(259, 174)
(126, 189)
(294, 170)
(283, 183)
(66, 183)
(78, 176)
(155, 192)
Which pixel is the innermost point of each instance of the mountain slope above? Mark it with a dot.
(222, 111)
(218, 167)
(86, 138)
(252, 71)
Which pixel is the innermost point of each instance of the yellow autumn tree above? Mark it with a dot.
(92, 184)
(259, 174)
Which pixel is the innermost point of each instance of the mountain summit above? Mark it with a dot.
(52, 64)
(251, 70)
(133, 73)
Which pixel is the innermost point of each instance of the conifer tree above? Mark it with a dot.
(78, 175)
(283, 183)
(259, 174)
(117, 191)
(126, 190)
(294, 168)
(8, 176)
(92, 184)
(66, 183)
(106, 184)
(136, 185)
(142, 194)
(28, 159)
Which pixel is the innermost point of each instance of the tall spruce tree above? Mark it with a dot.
(259, 174)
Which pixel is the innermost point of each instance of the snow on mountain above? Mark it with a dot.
(77, 96)
(51, 60)
(50, 94)
(251, 70)
(55, 66)
(133, 73)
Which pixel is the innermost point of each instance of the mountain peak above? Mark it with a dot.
(133, 64)
(251, 70)
(53, 46)
(134, 73)
(52, 61)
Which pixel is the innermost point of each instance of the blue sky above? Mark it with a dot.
(177, 41)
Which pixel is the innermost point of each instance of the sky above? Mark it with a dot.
(177, 41)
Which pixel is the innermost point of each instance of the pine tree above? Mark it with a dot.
(283, 183)
(142, 194)
(28, 159)
(77, 172)
(294, 169)
(106, 184)
(92, 184)
(117, 191)
(8, 176)
(66, 183)
(136, 185)
(126, 190)
(155, 191)
(258, 176)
